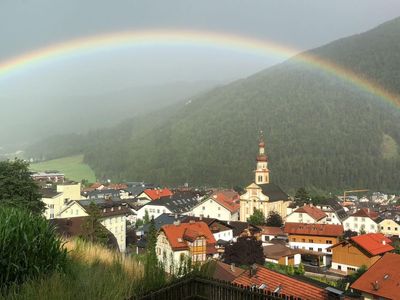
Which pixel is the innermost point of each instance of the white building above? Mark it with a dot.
(113, 217)
(362, 220)
(307, 214)
(180, 241)
(215, 208)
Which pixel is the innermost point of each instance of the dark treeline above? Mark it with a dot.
(320, 131)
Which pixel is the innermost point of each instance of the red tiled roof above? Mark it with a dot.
(382, 278)
(366, 213)
(312, 211)
(157, 194)
(289, 285)
(228, 199)
(314, 229)
(269, 230)
(373, 243)
(178, 235)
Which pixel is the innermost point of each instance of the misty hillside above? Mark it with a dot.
(319, 130)
(72, 113)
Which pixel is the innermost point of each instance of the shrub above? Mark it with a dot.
(29, 247)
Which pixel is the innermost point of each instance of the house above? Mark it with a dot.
(390, 224)
(366, 249)
(269, 233)
(316, 239)
(179, 203)
(363, 220)
(155, 194)
(56, 199)
(290, 286)
(112, 216)
(307, 214)
(160, 221)
(281, 254)
(243, 229)
(334, 211)
(101, 194)
(75, 227)
(262, 194)
(381, 280)
(219, 207)
(180, 241)
(221, 230)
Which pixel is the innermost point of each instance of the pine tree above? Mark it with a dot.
(274, 219)
(93, 230)
(257, 218)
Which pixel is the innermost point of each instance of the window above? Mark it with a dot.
(388, 228)
(339, 267)
(311, 241)
(51, 205)
(204, 207)
(329, 250)
(219, 215)
(382, 227)
(219, 207)
(372, 226)
(266, 238)
(52, 216)
(303, 240)
(319, 249)
(158, 211)
(328, 242)
(362, 219)
(395, 229)
(293, 239)
(355, 219)
(311, 248)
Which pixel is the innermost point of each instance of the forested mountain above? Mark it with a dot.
(320, 131)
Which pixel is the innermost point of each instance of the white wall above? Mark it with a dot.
(153, 210)
(212, 209)
(356, 223)
(226, 235)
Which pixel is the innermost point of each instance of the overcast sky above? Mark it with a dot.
(26, 25)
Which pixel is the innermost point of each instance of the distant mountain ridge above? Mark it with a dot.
(320, 131)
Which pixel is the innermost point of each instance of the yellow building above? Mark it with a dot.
(262, 194)
(57, 199)
(390, 227)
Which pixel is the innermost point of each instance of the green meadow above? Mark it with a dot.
(72, 166)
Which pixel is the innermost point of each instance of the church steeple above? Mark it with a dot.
(262, 171)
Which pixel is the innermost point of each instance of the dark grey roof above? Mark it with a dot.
(48, 192)
(335, 206)
(238, 227)
(101, 194)
(178, 203)
(274, 192)
(161, 220)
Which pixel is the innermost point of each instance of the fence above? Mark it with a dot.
(207, 288)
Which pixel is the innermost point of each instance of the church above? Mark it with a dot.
(262, 194)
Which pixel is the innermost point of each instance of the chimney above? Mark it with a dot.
(177, 222)
(253, 270)
(191, 221)
(383, 242)
(233, 267)
(375, 285)
(201, 217)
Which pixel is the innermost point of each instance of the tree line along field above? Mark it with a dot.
(72, 166)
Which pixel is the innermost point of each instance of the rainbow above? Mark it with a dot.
(87, 45)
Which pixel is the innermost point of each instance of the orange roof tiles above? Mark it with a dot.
(269, 230)
(228, 199)
(314, 229)
(382, 279)
(373, 243)
(312, 211)
(179, 235)
(289, 286)
(157, 194)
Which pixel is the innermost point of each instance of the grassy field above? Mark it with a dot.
(73, 167)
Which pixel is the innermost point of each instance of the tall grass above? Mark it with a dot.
(93, 272)
(29, 247)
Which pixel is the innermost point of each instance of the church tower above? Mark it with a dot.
(262, 171)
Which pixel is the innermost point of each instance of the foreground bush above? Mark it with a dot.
(29, 247)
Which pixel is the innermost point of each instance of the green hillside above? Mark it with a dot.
(320, 131)
(72, 166)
